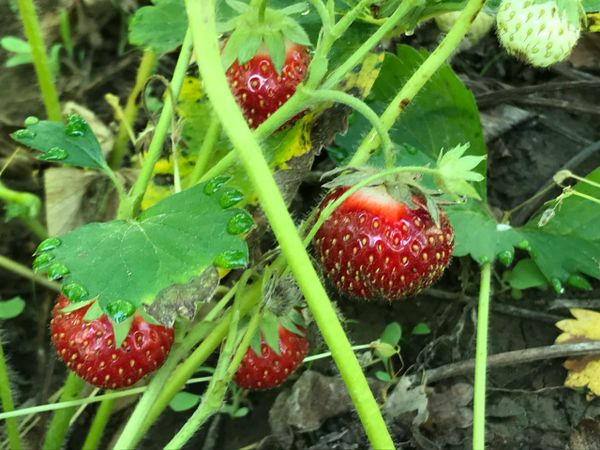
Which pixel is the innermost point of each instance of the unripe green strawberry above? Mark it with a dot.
(479, 28)
(541, 32)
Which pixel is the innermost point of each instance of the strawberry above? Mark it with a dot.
(88, 348)
(540, 32)
(269, 370)
(374, 246)
(259, 89)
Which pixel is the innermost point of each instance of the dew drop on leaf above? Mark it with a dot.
(240, 223)
(524, 245)
(76, 126)
(231, 259)
(120, 310)
(579, 282)
(557, 285)
(47, 245)
(506, 257)
(230, 198)
(74, 292)
(42, 261)
(31, 120)
(54, 154)
(24, 134)
(215, 184)
(57, 270)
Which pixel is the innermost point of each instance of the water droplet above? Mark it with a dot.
(54, 154)
(524, 245)
(42, 262)
(483, 260)
(230, 197)
(557, 285)
(74, 292)
(57, 270)
(76, 126)
(579, 282)
(31, 120)
(231, 259)
(23, 134)
(546, 217)
(120, 310)
(410, 149)
(241, 222)
(215, 184)
(47, 245)
(507, 257)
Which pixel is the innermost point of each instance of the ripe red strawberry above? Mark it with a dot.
(374, 246)
(269, 370)
(259, 90)
(88, 348)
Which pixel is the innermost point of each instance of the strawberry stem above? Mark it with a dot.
(414, 84)
(481, 350)
(98, 425)
(26, 272)
(145, 70)
(129, 208)
(206, 151)
(8, 405)
(61, 419)
(41, 62)
(206, 44)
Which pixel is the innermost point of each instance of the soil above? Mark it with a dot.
(528, 407)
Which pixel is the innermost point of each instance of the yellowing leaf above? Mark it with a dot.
(585, 327)
(593, 22)
(583, 371)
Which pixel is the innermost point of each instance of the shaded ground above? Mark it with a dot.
(528, 142)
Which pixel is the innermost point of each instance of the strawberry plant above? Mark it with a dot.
(195, 246)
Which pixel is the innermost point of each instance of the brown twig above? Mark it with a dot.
(510, 359)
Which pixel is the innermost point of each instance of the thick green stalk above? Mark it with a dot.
(206, 45)
(419, 79)
(129, 208)
(145, 70)
(98, 425)
(26, 272)
(61, 418)
(12, 428)
(479, 387)
(41, 63)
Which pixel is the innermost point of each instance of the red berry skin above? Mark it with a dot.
(257, 87)
(269, 370)
(88, 348)
(375, 247)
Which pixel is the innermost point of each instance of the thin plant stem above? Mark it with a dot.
(401, 12)
(206, 151)
(145, 70)
(8, 405)
(206, 44)
(421, 76)
(94, 436)
(41, 63)
(143, 418)
(36, 227)
(61, 418)
(364, 109)
(129, 209)
(26, 272)
(479, 386)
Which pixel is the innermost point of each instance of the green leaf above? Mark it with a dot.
(71, 144)
(269, 327)
(18, 60)
(383, 376)
(391, 334)
(172, 243)
(15, 45)
(184, 401)
(160, 28)
(526, 274)
(591, 5)
(421, 329)
(442, 116)
(11, 308)
(276, 47)
(456, 171)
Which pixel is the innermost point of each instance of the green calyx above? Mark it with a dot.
(260, 27)
(268, 329)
